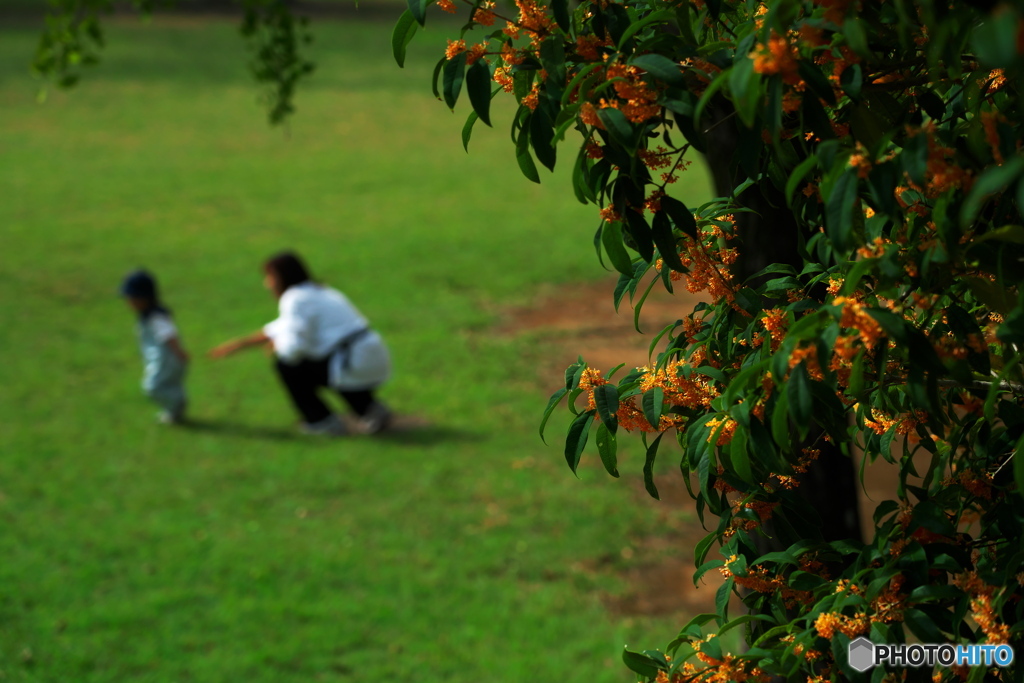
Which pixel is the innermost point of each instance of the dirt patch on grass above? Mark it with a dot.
(581, 320)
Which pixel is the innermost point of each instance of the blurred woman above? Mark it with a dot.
(320, 340)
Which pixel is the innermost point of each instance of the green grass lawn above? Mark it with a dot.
(235, 550)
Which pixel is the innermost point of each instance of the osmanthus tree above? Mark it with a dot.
(887, 134)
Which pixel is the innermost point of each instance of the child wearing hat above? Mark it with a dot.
(164, 359)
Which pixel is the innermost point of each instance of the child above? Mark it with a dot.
(164, 359)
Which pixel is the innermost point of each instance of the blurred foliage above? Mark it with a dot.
(73, 39)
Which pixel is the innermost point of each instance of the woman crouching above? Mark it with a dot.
(320, 340)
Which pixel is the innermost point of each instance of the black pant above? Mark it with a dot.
(302, 381)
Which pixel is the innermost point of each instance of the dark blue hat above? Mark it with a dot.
(140, 285)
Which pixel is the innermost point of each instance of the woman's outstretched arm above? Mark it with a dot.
(235, 345)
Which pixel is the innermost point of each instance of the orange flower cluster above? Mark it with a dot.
(805, 460)
(654, 158)
(728, 429)
(776, 321)
(835, 10)
(942, 173)
(777, 57)
(653, 202)
(503, 78)
(640, 100)
(512, 56)
(476, 53)
(532, 19)
(707, 273)
(761, 508)
(875, 250)
(828, 623)
(532, 98)
(905, 424)
(809, 356)
(760, 580)
(855, 317)
(861, 161)
(446, 5)
(888, 605)
(588, 47)
(981, 607)
(696, 393)
(484, 14)
(728, 669)
(978, 485)
(700, 70)
(588, 115)
(990, 122)
(610, 215)
(455, 47)
(843, 354)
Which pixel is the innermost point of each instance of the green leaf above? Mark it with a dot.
(653, 404)
(994, 179)
(817, 82)
(856, 37)
(681, 216)
(560, 8)
(418, 9)
(606, 447)
(914, 158)
(454, 73)
(660, 16)
(798, 391)
(722, 596)
(611, 238)
(576, 440)
(478, 85)
(745, 86)
(542, 138)
(606, 397)
(745, 619)
(852, 80)
(660, 66)
(922, 626)
(839, 209)
(467, 130)
(652, 453)
(665, 240)
(405, 29)
(797, 177)
(618, 127)
(638, 229)
(527, 166)
(995, 41)
(642, 664)
(555, 399)
(739, 456)
(700, 551)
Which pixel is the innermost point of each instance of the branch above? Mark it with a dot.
(982, 385)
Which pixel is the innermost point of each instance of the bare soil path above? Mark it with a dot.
(580, 320)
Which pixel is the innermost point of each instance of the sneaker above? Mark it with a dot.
(329, 426)
(172, 417)
(376, 420)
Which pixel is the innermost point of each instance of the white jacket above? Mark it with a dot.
(312, 321)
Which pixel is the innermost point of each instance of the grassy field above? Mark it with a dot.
(234, 550)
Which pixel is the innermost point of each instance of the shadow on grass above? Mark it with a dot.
(248, 431)
(406, 430)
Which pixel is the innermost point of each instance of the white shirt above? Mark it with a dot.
(311, 320)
